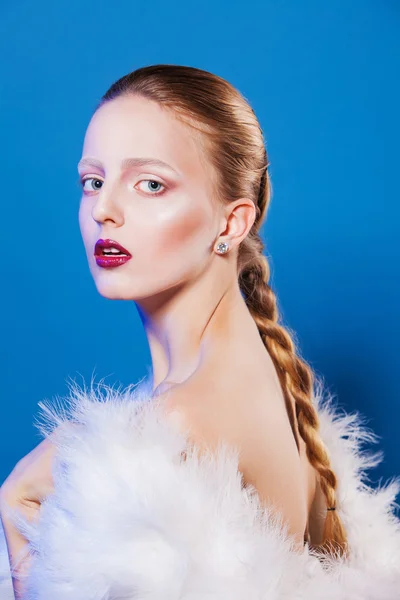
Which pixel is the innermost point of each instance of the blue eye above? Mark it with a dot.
(84, 180)
(154, 193)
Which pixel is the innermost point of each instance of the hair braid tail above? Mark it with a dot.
(296, 379)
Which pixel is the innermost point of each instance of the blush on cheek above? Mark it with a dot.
(177, 251)
(182, 233)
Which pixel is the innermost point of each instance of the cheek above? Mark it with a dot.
(178, 239)
(186, 231)
(84, 224)
(179, 233)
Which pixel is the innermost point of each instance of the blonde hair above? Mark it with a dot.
(232, 141)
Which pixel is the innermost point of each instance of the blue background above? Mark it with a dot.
(323, 78)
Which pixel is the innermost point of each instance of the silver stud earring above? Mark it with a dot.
(222, 248)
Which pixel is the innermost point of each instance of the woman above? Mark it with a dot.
(219, 477)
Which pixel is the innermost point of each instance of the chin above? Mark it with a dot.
(118, 290)
(115, 291)
(124, 286)
(110, 288)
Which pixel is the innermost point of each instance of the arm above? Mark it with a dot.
(21, 496)
(17, 544)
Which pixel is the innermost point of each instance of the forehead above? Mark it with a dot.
(132, 126)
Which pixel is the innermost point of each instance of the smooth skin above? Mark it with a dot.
(210, 365)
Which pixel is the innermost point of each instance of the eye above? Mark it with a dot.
(85, 179)
(153, 181)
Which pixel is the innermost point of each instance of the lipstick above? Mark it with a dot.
(109, 253)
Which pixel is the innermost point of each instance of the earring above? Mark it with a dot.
(222, 248)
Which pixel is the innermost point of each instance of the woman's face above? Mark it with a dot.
(163, 215)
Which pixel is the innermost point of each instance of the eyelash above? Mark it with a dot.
(81, 182)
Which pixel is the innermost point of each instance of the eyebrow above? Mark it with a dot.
(127, 163)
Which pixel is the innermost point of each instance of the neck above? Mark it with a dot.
(183, 325)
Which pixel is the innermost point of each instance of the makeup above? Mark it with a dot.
(111, 261)
(109, 253)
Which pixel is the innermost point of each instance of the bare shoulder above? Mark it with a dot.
(250, 416)
(213, 407)
(184, 406)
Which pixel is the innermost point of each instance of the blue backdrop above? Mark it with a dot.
(323, 78)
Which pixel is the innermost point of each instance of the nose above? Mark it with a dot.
(106, 208)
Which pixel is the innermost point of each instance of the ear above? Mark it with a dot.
(240, 216)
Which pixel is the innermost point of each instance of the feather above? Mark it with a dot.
(130, 519)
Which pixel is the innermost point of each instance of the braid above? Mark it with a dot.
(297, 379)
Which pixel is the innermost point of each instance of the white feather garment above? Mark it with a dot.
(131, 519)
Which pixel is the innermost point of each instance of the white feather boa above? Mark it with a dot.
(131, 519)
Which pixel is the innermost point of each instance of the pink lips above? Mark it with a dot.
(110, 260)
